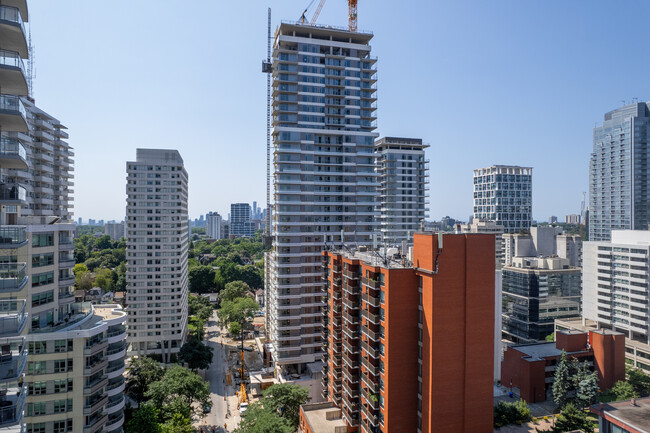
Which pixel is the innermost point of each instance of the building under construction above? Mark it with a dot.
(324, 180)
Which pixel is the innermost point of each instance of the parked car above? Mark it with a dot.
(207, 408)
(242, 408)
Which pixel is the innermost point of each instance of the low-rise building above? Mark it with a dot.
(531, 367)
(321, 418)
(630, 416)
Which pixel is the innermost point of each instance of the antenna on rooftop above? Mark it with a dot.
(31, 72)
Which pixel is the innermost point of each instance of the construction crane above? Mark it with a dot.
(317, 13)
(303, 17)
(352, 15)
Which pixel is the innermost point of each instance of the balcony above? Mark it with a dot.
(96, 384)
(13, 359)
(13, 317)
(13, 236)
(95, 366)
(13, 277)
(12, 152)
(95, 404)
(12, 193)
(13, 115)
(11, 407)
(371, 300)
(95, 423)
(12, 30)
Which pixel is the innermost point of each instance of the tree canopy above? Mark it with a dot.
(238, 310)
(234, 290)
(196, 354)
(178, 387)
(143, 372)
(572, 419)
(286, 399)
(201, 279)
(260, 419)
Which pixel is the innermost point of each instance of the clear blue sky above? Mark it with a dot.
(483, 82)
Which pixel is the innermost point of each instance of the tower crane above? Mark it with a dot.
(318, 9)
(352, 15)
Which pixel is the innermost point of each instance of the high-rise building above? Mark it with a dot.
(616, 283)
(409, 345)
(504, 194)
(572, 219)
(325, 183)
(404, 186)
(156, 255)
(241, 224)
(114, 230)
(618, 172)
(213, 228)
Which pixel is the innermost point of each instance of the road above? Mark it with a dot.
(218, 389)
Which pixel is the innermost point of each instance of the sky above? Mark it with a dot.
(483, 82)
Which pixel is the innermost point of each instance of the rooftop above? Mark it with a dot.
(324, 418)
(383, 258)
(632, 413)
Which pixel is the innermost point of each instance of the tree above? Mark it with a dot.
(639, 381)
(506, 413)
(285, 399)
(561, 384)
(143, 372)
(624, 390)
(178, 424)
(104, 278)
(234, 290)
(228, 271)
(178, 387)
(103, 242)
(251, 276)
(572, 419)
(201, 279)
(86, 281)
(92, 263)
(234, 328)
(550, 337)
(239, 310)
(587, 390)
(196, 354)
(260, 419)
(145, 419)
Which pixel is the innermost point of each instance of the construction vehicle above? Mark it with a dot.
(243, 397)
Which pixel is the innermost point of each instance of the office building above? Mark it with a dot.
(552, 220)
(156, 254)
(404, 186)
(616, 285)
(504, 194)
(572, 219)
(618, 172)
(213, 227)
(325, 183)
(401, 356)
(525, 366)
(241, 224)
(114, 230)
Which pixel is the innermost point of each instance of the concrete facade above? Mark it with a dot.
(241, 224)
(156, 254)
(114, 230)
(324, 178)
(213, 227)
(404, 186)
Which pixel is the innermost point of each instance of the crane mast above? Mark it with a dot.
(352, 15)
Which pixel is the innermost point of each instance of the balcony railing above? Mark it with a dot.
(12, 58)
(11, 147)
(8, 13)
(13, 276)
(12, 317)
(12, 192)
(11, 407)
(12, 236)
(11, 102)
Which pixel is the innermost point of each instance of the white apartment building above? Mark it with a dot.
(404, 186)
(324, 178)
(504, 194)
(156, 256)
(213, 227)
(616, 285)
(241, 224)
(114, 230)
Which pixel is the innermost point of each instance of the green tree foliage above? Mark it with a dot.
(285, 399)
(239, 310)
(200, 307)
(178, 424)
(178, 390)
(234, 329)
(572, 419)
(506, 413)
(624, 391)
(85, 282)
(196, 354)
(234, 290)
(201, 279)
(562, 382)
(143, 372)
(103, 243)
(252, 276)
(104, 279)
(587, 390)
(145, 419)
(261, 419)
(639, 381)
(550, 337)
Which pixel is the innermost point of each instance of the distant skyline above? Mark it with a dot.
(505, 82)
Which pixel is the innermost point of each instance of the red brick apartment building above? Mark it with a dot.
(531, 367)
(409, 345)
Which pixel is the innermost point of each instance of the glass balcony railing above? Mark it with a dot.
(12, 103)
(11, 14)
(11, 406)
(13, 358)
(11, 147)
(12, 58)
(12, 192)
(13, 276)
(12, 236)
(12, 317)
(80, 311)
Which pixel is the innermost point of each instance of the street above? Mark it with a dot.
(219, 390)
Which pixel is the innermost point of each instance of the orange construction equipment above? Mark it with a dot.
(352, 15)
(242, 373)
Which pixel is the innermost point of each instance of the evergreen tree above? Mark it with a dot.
(562, 382)
(587, 390)
(572, 419)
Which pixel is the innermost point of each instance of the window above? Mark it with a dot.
(36, 428)
(62, 346)
(37, 388)
(34, 409)
(63, 385)
(43, 239)
(37, 347)
(37, 367)
(62, 365)
(42, 279)
(61, 406)
(62, 426)
(39, 260)
(43, 298)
